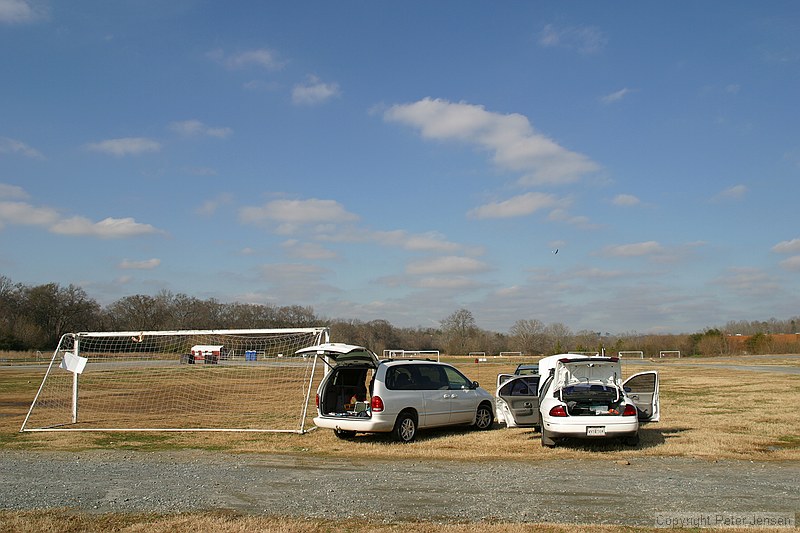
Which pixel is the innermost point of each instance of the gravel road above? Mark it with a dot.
(570, 491)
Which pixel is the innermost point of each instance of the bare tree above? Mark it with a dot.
(528, 336)
(458, 328)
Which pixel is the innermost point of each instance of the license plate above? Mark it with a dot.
(596, 431)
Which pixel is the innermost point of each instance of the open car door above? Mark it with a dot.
(518, 401)
(642, 388)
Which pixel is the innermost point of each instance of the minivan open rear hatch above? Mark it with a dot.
(340, 353)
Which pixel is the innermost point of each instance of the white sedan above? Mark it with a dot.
(579, 396)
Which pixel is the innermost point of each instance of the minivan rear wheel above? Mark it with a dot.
(405, 428)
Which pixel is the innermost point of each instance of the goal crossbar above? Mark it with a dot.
(182, 380)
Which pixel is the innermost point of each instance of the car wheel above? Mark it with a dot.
(344, 434)
(633, 440)
(547, 439)
(484, 417)
(405, 429)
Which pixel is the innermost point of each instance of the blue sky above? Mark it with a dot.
(401, 161)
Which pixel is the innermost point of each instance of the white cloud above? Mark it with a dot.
(27, 214)
(108, 228)
(445, 283)
(125, 146)
(195, 128)
(297, 212)
(261, 57)
(626, 200)
(562, 215)
(296, 282)
(13, 146)
(511, 139)
(748, 281)
(314, 92)
(210, 207)
(446, 265)
(791, 264)
(616, 96)
(22, 213)
(731, 193)
(787, 247)
(521, 205)
(12, 191)
(147, 264)
(633, 250)
(307, 250)
(20, 11)
(583, 39)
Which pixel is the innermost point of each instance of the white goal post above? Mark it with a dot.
(410, 354)
(623, 353)
(669, 353)
(508, 354)
(191, 380)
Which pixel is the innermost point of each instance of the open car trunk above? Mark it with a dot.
(347, 391)
(592, 399)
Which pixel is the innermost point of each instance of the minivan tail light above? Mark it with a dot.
(317, 400)
(629, 410)
(558, 410)
(376, 404)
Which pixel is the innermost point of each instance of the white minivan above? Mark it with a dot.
(362, 394)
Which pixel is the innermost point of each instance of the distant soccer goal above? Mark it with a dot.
(669, 353)
(477, 354)
(633, 353)
(411, 354)
(510, 354)
(201, 380)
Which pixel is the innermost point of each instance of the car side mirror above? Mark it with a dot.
(475, 385)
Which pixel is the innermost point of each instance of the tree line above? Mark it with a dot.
(35, 318)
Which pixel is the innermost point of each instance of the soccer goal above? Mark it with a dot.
(201, 380)
(510, 354)
(669, 353)
(634, 353)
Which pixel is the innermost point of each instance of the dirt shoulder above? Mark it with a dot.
(565, 491)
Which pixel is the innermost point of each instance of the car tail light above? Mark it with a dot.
(558, 410)
(376, 404)
(629, 410)
(317, 400)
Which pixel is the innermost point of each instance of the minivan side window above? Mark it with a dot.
(456, 379)
(399, 378)
(430, 377)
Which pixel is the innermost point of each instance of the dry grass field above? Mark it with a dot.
(708, 412)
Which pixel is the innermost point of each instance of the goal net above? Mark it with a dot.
(669, 353)
(201, 380)
(631, 353)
